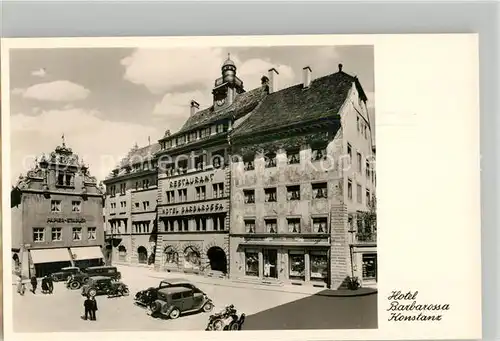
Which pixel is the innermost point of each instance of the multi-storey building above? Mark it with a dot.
(56, 215)
(194, 180)
(131, 194)
(302, 175)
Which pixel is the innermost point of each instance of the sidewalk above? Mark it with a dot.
(305, 290)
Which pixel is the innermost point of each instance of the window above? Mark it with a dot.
(76, 206)
(123, 204)
(294, 225)
(270, 194)
(350, 222)
(297, 263)
(370, 266)
(349, 189)
(182, 194)
(366, 131)
(176, 296)
(252, 263)
(145, 205)
(360, 163)
(170, 197)
(201, 193)
(318, 265)
(77, 233)
(249, 196)
(320, 191)
(182, 166)
(201, 224)
(218, 190)
(367, 169)
(55, 205)
(218, 158)
(56, 234)
(319, 225)
(218, 222)
(112, 190)
(368, 198)
(38, 234)
(60, 179)
(270, 160)
(219, 128)
(91, 233)
(293, 192)
(169, 225)
(271, 226)
(248, 162)
(358, 193)
(318, 154)
(349, 152)
(293, 157)
(183, 224)
(358, 123)
(250, 226)
(122, 189)
(145, 183)
(199, 162)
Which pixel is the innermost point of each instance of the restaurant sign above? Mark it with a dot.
(194, 209)
(66, 220)
(193, 180)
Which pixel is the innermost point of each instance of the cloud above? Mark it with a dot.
(39, 73)
(57, 91)
(101, 143)
(252, 70)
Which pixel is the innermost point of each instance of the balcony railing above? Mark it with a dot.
(366, 237)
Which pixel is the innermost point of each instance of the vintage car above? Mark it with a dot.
(147, 296)
(227, 319)
(65, 273)
(76, 281)
(176, 300)
(101, 285)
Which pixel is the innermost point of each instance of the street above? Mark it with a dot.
(265, 309)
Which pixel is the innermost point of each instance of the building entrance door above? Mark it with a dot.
(270, 263)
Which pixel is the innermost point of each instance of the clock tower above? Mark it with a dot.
(226, 87)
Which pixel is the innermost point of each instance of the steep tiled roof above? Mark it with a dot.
(243, 103)
(323, 98)
(136, 155)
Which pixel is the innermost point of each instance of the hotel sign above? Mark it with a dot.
(193, 180)
(195, 209)
(67, 220)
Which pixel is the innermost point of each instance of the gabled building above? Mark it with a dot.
(300, 175)
(56, 215)
(131, 195)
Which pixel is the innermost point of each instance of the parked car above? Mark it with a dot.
(149, 295)
(174, 301)
(65, 273)
(107, 271)
(101, 285)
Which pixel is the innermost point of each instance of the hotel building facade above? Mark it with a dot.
(267, 185)
(56, 216)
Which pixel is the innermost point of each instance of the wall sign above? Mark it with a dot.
(194, 180)
(194, 209)
(67, 220)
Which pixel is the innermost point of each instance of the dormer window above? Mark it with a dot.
(318, 154)
(248, 162)
(293, 157)
(270, 160)
(64, 179)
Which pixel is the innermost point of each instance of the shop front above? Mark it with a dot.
(366, 265)
(46, 261)
(85, 257)
(288, 262)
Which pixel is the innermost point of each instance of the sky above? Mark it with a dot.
(105, 100)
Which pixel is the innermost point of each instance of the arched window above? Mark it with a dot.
(142, 254)
(192, 258)
(122, 253)
(170, 256)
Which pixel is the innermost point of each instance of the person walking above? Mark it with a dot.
(50, 284)
(20, 287)
(93, 309)
(87, 305)
(34, 284)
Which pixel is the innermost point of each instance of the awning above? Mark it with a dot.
(50, 255)
(89, 252)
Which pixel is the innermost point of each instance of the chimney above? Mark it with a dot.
(194, 107)
(264, 80)
(272, 75)
(306, 77)
(340, 67)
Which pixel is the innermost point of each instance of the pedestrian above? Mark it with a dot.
(34, 283)
(45, 287)
(20, 287)
(93, 308)
(87, 305)
(50, 284)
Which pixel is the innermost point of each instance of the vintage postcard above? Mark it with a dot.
(294, 187)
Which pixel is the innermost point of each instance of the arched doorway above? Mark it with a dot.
(217, 258)
(170, 256)
(192, 258)
(122, 253)
(142, 255)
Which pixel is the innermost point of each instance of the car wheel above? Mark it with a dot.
(234, 326)
(208, 307)
(85, 280)
(154, 308)
(92, 292)
(218, 325)
(74, 285)
(175, 313)
(125, 292)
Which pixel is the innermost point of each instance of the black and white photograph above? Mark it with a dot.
(277, 187)
(224, 188)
